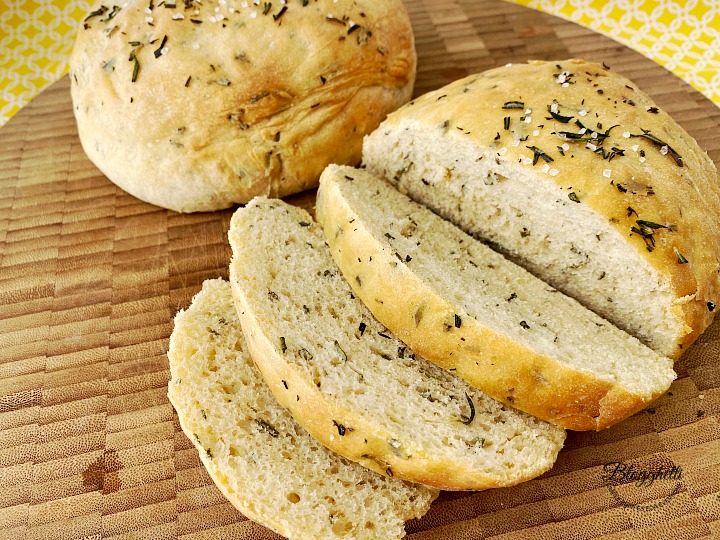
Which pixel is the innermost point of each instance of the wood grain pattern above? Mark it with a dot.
(90, 279)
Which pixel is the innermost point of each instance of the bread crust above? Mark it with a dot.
(196, 106)
(206, 352)
(368, 442)
(666, 179)
(416, 313)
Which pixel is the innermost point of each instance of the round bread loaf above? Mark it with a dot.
(573, 172)
(194, 106)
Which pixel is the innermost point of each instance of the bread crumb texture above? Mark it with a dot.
(194, 106)
(267, 466)
(355, 386)
(571, 170)
(467, 308)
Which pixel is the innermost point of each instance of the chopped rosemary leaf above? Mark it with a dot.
(266, 7)
(136, 69)
(559, 117)
(341, 352)
(187, 82)
(267, 428)
(340, 427)
(468, 419)
(283, 346)
(458, 321)
(537, 153)
(573, 197)
(513, 105)
(711, 306)
(158, 52)
(662, 144)
(506, 122)
(680, 258)
(96, 13)
(276, 17)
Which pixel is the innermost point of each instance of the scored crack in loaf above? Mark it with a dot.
(266, 465)
(467, 308)
(353, 385)
(572, 171)
(194, 106)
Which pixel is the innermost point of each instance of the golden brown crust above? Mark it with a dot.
(201, 105)
(366, 444)
(321, 413)
(501, 367)
(647, 169)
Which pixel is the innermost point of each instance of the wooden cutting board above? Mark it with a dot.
(90, 279)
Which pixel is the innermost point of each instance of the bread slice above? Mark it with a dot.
(572, 171)
(266, 465)
(354, 386)
(467, 308)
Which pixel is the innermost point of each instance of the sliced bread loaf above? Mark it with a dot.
(354, 386)
(266, 465)
(575, 173)
(467, 308)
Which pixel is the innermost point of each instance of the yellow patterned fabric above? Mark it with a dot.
(36, 37)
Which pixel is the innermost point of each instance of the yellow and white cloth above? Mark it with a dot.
(36, 37)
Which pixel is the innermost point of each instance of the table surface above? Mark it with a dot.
(36, 37)
(90, 279)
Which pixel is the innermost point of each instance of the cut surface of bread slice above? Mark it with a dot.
(266, 465)
(467, 308)
(573, 172)
(354, 386)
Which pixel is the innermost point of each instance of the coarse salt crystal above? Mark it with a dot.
(527, 161)
(253, 14)
(663, 150)
(554, 172)
(554, 107)
(583, 131)
(635, 147)
(148, 19)
(626, 134)
(607, 173)
(545, 168)
(244, 4)
(591, 146)
(148, 10)
(565, 85)
(178, 17)
(516, 142)
(528, 111)
(582, 112)
(642, 160)
(164, 51)
(536, 133)
(528, 119)
(502, 151)
(565, 147)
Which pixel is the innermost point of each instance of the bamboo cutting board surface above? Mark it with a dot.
(90, 279)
